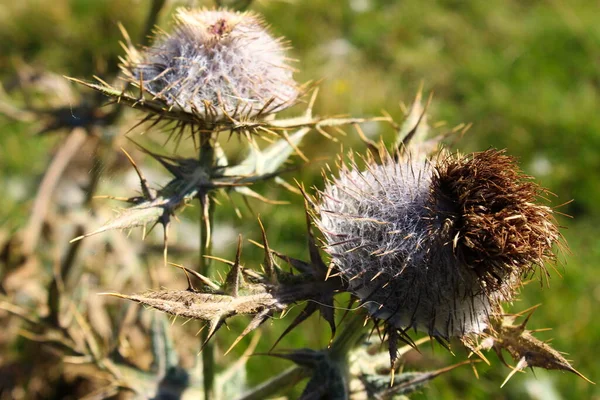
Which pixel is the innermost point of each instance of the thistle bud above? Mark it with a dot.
(216, 64)
(436, 244)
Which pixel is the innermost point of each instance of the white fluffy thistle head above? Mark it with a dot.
(436, 244)
(217, 64)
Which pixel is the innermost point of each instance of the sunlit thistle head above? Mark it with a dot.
(436, 244)
(219, 65)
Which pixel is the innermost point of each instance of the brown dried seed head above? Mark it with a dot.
(491, 216)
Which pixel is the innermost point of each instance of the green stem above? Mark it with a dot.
(208, 350)
(207, 161)
(350, 337)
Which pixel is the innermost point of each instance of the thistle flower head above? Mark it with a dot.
(436, 244)
(219, 64)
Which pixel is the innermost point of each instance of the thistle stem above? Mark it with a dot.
(207, 161)
(350, 337)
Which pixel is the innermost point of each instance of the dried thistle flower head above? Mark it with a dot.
(218, 64)
(436, 244)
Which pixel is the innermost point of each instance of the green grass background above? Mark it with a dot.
(525, 73)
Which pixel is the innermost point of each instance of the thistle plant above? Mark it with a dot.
(415, 236)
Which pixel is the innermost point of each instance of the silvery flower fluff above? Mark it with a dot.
(219, 64)
(435, 244)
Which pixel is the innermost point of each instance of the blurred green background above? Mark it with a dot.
(526, 74)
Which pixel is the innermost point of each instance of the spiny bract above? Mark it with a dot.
(436, 244)
(218, 64)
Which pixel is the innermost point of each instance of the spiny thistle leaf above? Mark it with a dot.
(328, 382)
(269, 160)
(207, 282)
(204, 306)
(378, 386)
(251, 299)
(155, 206)
(234, 277)
(236, 297)
(265, 126)
(191, 175)
(414, 129)
(525, 349)
(330, 372)
(158, 210)
(317, 268)
(134, 217)
(258, 319)
(179, 167)
(269, 264)
(329, 378)
(304, 315)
